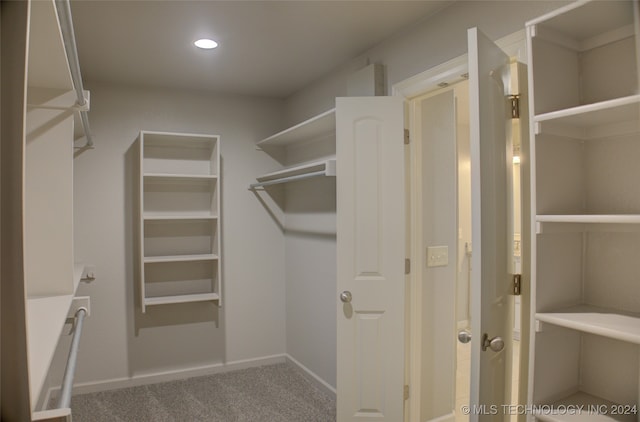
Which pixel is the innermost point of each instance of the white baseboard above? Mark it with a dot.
(146, 379)
(450, 417)
(311, 376)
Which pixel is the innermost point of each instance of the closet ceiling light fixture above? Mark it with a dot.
(206, 44)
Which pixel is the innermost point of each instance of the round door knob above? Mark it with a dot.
(496, 344)
(464, 336)
(345, 296)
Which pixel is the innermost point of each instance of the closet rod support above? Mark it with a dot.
(288, 179)
(69, 372)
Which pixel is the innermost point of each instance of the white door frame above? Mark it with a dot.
(449, 72)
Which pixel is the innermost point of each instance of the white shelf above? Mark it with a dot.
(160, 178)
(179, 258)
(589, 402)
(589, 116)
(326, 167)
(46, 317)
(165, 300)
(590, 218)
(186, 216)
(309, 129)
(595, 320)
(178, 140)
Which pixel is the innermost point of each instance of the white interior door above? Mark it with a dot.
(491, 163)
(370, 261)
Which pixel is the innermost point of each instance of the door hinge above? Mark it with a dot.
(406, 392)
(517, 288)
(406, 136)
(514, 104)
(407, 266)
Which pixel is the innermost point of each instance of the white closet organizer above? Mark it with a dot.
(586, 201)
(180, 220)
(306, 150)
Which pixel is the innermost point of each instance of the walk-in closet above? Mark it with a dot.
(319, 211)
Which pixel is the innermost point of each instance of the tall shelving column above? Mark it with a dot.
(180, 250)
(585, 107)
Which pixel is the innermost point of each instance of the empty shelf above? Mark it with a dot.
(179, 258)
(584, 120)
(174, 216)
(594, 320)
(46, 317)
(309, 129)
(590, 218)
(588, 408)
(325, 167)
(164, 300)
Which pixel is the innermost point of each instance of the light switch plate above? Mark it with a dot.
(437, 256)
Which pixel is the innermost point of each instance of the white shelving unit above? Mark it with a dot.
(586, 252)
(305, 150)
(179, 218)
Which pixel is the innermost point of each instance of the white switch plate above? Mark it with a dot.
(437, 256)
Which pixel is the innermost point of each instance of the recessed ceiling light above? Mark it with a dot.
(206, 44)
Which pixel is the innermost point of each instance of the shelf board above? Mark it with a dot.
(578, 121)
(589, 412)
(172, 177)
(179, 258)
(178, 140)
(603, 322)
(590, 218)
(309, 129)
(178, 217)
(165, 300)
(46, 317)
(326, 167)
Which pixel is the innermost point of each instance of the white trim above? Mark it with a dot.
(173, 375)
(449, 72)
(449, 417)
(453, 70)
(311, 376)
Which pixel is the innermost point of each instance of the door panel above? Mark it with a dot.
(370, 261)
(491, 163)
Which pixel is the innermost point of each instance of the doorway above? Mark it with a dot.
(442, 248)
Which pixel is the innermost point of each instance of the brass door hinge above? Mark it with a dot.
(406, 392)
(514, 103)
(407, 266)
(517, 288)
(406, 137)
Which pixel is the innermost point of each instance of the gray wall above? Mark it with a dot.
(118, 341)
(433, 41)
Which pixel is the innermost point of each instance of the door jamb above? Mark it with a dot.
(449, 72)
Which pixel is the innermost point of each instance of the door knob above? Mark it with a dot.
(464, 336)
(346, 296)
(496, 344)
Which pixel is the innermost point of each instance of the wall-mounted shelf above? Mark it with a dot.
(595, 320)
(179, 258)
(47, 316)
(166, 300)
(180, 221)
(590, 219)
(317, 126)
(592, 120)
(326, 167)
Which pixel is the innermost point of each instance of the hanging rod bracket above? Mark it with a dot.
(79, 302)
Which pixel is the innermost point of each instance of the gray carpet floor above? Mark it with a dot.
(273, 393)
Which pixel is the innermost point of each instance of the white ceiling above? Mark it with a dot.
(267, 48)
